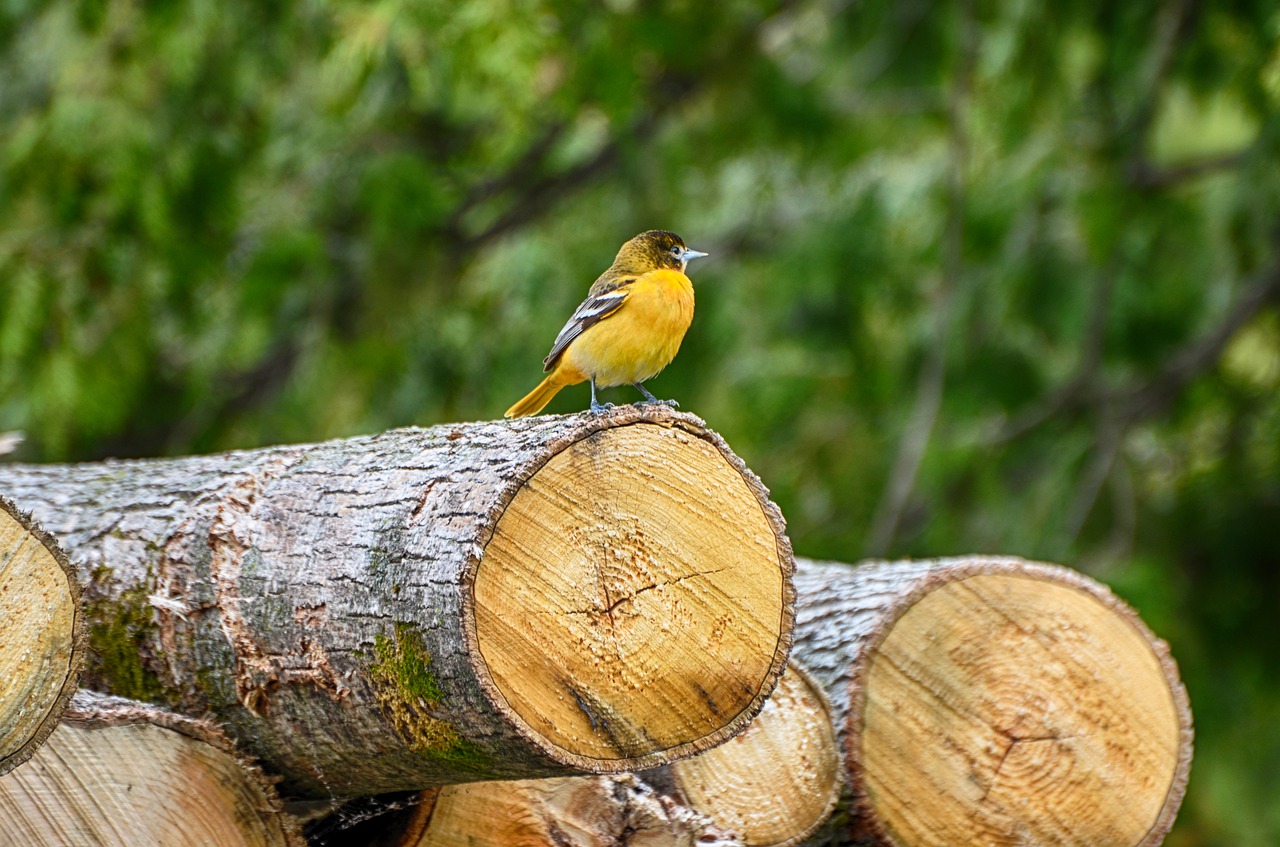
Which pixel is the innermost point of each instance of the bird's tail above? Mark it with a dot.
(538, 398)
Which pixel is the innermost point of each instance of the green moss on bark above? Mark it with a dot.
(403, 661)
(117, 636)
(408, 692)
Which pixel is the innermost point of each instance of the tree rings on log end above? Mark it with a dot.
(634, 603)
(118, 773)
(1006, 702)
(43, 645)
(778, 781)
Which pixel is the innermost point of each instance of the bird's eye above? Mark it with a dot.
(675, 251)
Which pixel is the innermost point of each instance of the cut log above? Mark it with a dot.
(586, 811)
(994, 701)
(118, 773)
(777, 782)
(549, 596)
(42, 649)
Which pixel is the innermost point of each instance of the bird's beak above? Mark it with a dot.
(691, 254)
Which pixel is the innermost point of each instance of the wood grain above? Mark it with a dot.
(630, 600)
(989, 700)
(130, 775)
(1016, 707)
(778, 781)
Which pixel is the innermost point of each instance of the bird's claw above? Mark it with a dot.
(668, 403)
(600, 408)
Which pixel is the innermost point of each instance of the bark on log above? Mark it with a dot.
(549, 596)
(42, 649)
(993, 701)
(118, 773)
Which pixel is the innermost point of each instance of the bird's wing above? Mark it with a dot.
(590, 312)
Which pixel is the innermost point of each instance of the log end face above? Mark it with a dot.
(119, 773)
(1010, 708)
(778, 781)
(634, 603)
(43, 644)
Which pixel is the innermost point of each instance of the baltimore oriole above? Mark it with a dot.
(629, 327)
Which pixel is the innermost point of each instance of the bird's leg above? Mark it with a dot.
(650, 400)
(598, 408)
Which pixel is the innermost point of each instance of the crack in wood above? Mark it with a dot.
(1014, 741)
(623, 736)
(415, 516)
(627, 599)
(609, 607)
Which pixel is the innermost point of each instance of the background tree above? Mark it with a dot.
(985, 276)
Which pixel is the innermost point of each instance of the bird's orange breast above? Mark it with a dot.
(642, 336)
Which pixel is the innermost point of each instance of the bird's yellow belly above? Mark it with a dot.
(641, 338)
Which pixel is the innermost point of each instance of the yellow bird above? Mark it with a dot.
(628, 329)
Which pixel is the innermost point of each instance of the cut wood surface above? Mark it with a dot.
(588, 811)
(42, 646)
(993, 701)
(493, 600)
(778, 781)
(121, 774)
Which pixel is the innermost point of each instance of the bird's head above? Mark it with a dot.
(652, 250)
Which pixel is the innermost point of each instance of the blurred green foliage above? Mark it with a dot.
(984, 276)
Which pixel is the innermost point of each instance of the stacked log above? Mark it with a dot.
(990, 700)
(774, 784)
(584, 811)
(490, 611)
(966, 701)
(118, 773)
(422, 607)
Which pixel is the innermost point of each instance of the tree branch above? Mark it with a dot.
(1079, 388)
(542, 193)
(1145, 176)
(1145, 397)
(1172, 25)
(1097, 472)
(1141, 400)
(532, 158)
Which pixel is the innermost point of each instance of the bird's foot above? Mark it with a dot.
(600, 408)
(650, 400)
